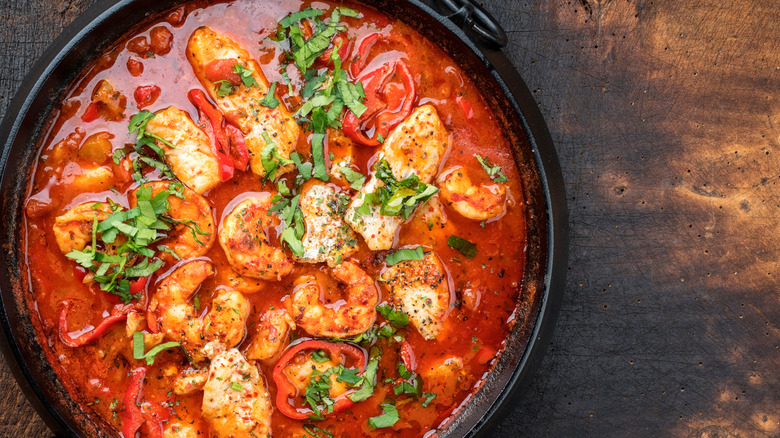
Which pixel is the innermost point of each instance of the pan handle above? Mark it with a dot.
(475, 20)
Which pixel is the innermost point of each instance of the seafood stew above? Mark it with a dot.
(295, 219)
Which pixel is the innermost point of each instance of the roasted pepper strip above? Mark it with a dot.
(117, 315)
(133, 416)
(286, 391)
(227, 140)
(211, 120)
(387, 105)
(359, 63)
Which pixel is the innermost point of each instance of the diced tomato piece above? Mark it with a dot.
(161, 40)
(91, 114)
(222, 70)
(135, 67)
(146, 95)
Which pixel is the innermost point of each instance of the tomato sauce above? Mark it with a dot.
(149, 70)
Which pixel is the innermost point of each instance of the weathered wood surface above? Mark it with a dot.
(666, 120)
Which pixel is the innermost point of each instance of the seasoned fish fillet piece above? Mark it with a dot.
(415, 147)
(328, 238)
(420, 289)
(206, 49)
(191, 160)
(235, 400)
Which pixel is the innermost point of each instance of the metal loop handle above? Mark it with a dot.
(472, 18)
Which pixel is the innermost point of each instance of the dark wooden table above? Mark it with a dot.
(667, 125)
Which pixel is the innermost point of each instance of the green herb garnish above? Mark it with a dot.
(403, 255)
(463, 246)
(493, 171)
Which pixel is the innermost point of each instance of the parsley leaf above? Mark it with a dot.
(319, 356)
(404, 254)
(355, 178)
(270, 100)
(223, 88)
(493, 171)
(368, 382)
(463, 246)
(398, 319)
(388, 418)
(245, 74)
(138, 348)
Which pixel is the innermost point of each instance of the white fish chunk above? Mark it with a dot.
(191, 160)
(420, 289)
(415, 147)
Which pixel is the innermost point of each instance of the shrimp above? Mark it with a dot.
(191, 160)
(73, 230)
(472, 202)
(246, 244)
(328, 238)
(221, 328)
(420, 289)
(213, 58)
(236, 402)
(193, 233)
(415, 147)
(232, 279)
(323, 319)
(271, 335)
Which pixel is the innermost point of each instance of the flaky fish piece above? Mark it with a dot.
(328, 238)
(420, 289)
(191, 159)
(415, 147)
(214, 58)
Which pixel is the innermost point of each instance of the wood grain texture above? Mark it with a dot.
(666, 121)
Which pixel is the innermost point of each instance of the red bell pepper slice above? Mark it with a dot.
(133, 416)
(118, 314)
(407, 356)
(211, 121)
(238, 151)
(359, 63)
(286, 391)
(387, 104)
(91, 114)
(465, 105)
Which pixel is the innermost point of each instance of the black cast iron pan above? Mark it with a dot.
(466, 32)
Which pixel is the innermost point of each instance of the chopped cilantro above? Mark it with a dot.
(319, 356)
(368, 380)
(463, 246)
(398, 197)
(223, 88)
(245, 74)
(494, 171)
(398, 319)
(138, 348)
(355, 178)
(270, 100)
(429, 396)
(404, 254)
(388, 418)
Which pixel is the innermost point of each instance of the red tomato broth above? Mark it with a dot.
(485, 289)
